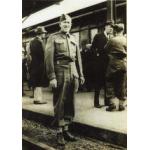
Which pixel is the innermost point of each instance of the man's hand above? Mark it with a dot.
(53, 83)
(82, 80)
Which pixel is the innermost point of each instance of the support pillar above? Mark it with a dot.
(111, 10)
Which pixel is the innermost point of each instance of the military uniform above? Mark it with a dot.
(63, 63)
(116, 70)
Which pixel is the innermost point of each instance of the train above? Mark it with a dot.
(87, 20)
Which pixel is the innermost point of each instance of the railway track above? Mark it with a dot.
(38, 137)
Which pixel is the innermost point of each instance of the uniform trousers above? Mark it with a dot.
(64, 96)
(116, 86)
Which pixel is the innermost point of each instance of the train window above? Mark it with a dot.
(84, 38)
(93, 32)
(76, 34)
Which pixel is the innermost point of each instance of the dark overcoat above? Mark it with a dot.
(37, 62)
(99, 58)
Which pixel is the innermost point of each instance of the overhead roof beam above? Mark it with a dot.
(82, 15)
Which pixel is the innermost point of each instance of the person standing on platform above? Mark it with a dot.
(36, 51)
(64, 70)
(86, 62)
(28, 71)
(24, 69)
(116, 50)
(100, 61)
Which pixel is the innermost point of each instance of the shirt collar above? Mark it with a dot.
(106, 34)
(39, 38)
(65, 34)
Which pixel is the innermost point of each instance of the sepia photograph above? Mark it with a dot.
(74, 74)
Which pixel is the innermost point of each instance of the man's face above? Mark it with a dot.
(65, 25)
(108, 29)
(43, 35)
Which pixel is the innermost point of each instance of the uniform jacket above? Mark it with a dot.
(61, 52)
(116, 50)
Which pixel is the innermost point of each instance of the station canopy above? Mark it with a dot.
(56, 10)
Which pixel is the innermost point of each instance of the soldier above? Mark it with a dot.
(36, 52)
(116, 50)
(64, 69)
(100, 61)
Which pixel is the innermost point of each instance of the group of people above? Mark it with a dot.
(36, 65)
(59, 63)
(110, 54)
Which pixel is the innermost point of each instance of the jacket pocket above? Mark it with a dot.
(60, 45)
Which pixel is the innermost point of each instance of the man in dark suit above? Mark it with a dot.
(36, 52)
(64, 70)
(100, 61)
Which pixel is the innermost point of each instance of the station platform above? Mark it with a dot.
(86, 114)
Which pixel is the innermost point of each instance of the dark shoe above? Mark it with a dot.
(121, 108)
(98, 106)
(60, 139)
(38, 102)
(69, 137)
(111, 108)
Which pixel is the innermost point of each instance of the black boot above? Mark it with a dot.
(121, 108)
(98, 106)
(96, 99)
(60, 139)
(111, 107)
(69, 137)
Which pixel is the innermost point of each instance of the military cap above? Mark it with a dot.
(65, 17)
(40, 30)
(118, 27)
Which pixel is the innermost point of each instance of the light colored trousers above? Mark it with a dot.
(38, 94)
